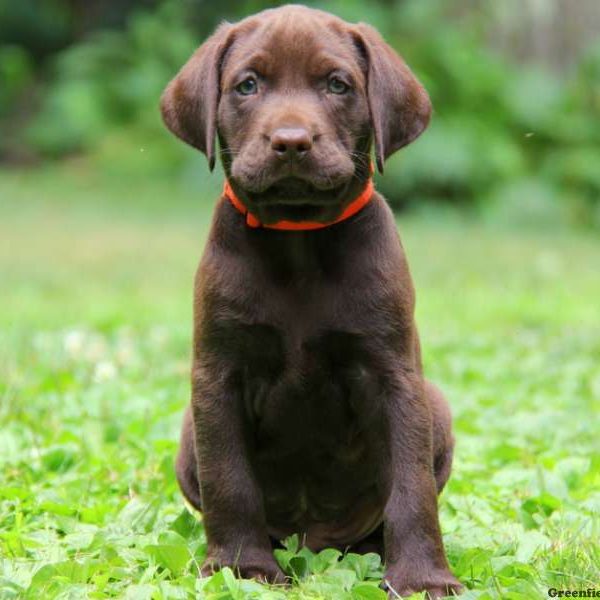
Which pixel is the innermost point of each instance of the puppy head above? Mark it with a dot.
(296, 97)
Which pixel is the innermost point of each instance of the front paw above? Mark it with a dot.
(437, 583)
(249, 564)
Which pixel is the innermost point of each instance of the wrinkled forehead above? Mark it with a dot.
(297, 41)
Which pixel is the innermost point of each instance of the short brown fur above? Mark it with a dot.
(309, 411)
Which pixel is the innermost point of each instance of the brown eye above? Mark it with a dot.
(336, 86)
(247, 87)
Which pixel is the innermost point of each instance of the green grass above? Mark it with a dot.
(95, 323)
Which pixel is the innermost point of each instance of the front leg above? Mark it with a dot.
(232, 503)
(414, 550)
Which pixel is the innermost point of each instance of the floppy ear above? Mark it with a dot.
(189, 103)
(399, 105)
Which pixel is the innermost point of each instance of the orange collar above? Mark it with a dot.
(355, 206)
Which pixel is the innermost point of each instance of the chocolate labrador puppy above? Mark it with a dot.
(309, 410)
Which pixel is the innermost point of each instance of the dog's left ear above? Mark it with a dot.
(189, 103)
(399, 105)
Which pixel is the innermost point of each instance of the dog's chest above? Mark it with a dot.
(309, 400)
(313, 408)
(310, 360)
(322, 381)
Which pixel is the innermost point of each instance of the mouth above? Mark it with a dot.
(296, 192)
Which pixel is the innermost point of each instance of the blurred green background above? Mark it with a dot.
(515, 86)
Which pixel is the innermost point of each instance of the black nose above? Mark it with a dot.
(290, 142)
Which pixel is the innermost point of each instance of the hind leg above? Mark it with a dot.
(443, 440)
(186, 467)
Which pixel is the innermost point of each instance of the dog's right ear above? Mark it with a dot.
(189, 103)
